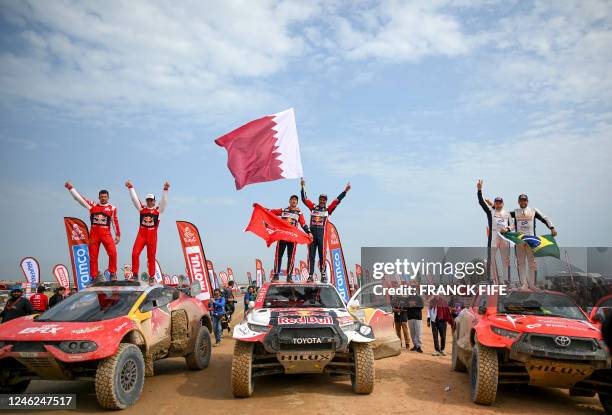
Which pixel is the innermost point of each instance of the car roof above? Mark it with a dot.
(129, 285)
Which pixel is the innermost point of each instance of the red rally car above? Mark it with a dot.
(531, 337)
(109, 333)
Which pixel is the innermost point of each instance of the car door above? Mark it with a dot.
(157, 329)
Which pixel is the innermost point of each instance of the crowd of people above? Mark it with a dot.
(18, 305)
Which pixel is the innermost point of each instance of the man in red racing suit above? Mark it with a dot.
(318, 220)
(293, 216)
(102, 216)
(147, 232)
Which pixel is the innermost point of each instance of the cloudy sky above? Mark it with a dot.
(410, 101)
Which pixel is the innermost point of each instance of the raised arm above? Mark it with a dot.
(77, 196)
(334, 204)
(133, 196)
(305, 199)
(481, 200)
(164, 198)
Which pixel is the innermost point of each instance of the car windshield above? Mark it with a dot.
(539, 304)
(92, 306)
(288, 296)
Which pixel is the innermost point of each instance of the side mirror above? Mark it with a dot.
(251, 305)
(482, 309)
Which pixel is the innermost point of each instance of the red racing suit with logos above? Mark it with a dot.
(318, 219)
(294, 217)
(102, 218)
(147, 231)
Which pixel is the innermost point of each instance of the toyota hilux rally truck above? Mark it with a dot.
(301, 328)
(531, 337)
(109, 333)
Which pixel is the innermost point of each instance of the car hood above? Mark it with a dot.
(28, 329)
(300, 316)
(546, 325)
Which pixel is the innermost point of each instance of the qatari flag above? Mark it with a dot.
(264, 150)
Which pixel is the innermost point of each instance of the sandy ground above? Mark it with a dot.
(411, 383)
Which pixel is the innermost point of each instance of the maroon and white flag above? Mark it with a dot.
(264, 150)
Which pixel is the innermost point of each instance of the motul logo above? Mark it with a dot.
(195, 263)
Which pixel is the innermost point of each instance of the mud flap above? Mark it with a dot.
(179, 332)
(556, 374)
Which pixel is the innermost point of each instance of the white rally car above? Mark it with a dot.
(301, 328)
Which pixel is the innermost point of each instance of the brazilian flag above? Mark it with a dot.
(544, 245)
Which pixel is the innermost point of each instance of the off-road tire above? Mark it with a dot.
(363, 378)
(199, 357)
(16, 388)
(242, 370)
(484, 373)
(120, 378)
(456, 363)
(606, 402)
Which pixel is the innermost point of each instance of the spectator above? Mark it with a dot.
(73, 291)
(400, 319)
(218, 311)
(439, 315)
(415, 316)
(57, 297)
(39, 301)
(248, 297)
(16, 306)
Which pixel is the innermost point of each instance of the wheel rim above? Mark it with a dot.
(128, 375)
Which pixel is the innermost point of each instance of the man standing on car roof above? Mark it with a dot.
(293, 215)
(498, 220)
(318, 219)
(102, 216)
(524, 222)
(149, 222)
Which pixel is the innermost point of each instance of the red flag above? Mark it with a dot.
(263, 150)
(197, 267)
(271, 228)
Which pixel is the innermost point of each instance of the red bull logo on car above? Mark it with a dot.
(305, 320)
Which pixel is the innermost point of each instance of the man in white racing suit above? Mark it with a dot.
(524, 222)
(498, 221)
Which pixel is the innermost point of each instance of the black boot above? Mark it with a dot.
(289, 279)
(323, 277)
(310, 279)
(274, 278)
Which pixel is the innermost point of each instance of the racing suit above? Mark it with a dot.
(318, 219)
(497, 221)
(294, 217)
(102, 217)
(524, 222)
(147, 231)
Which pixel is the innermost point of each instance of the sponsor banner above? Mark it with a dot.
(212, 274)
(78, 245)
(303, 270)
(223, 277)
(159, 274)
(31, 270)
(230, 274)
(195, 259)
(166, 279)
(352, 279)
(60, 272)
(338, 268)
(175, 279)
(259, 273)
(249, 277)
(358, 270)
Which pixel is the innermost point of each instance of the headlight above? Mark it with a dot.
(350, 327)
(78, 346)
(365, 330)
(511, 334)
(258, 328)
